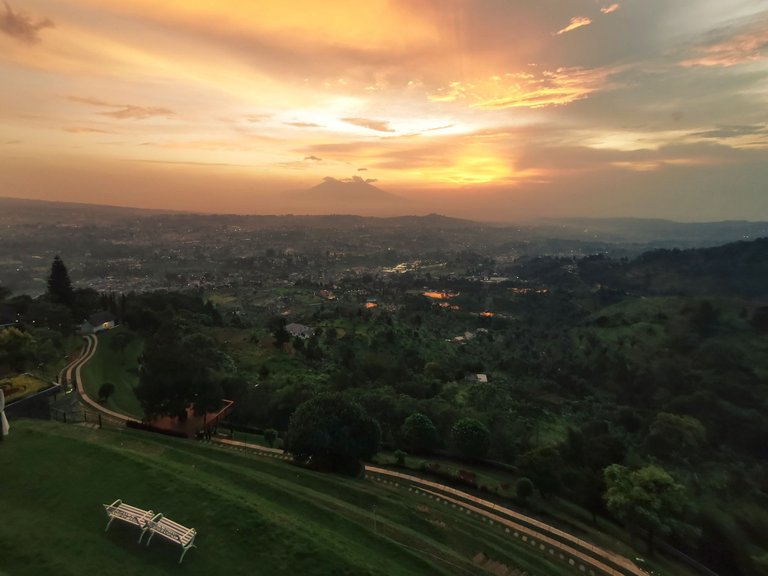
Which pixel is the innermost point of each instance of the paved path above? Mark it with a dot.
(73, 370)
(534, 531)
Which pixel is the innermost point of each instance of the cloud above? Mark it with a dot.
(313, 158)
(22, 26)
(362, 169)
(733, 45)
(138, 112)
(610, 9)
(576, 22)
(377, 125)
(83, 130)
(124, 111)
(254, 118)
(725, 132)
(371, 180)
(303, 124)
(529, 90)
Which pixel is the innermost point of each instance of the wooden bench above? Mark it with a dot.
(170, 530)
(130, 514)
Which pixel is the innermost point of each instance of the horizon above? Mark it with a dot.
(527, 222)
(490, 111)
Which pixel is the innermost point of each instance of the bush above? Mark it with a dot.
(105, 391)
(270, 435)
(471, 439)
(524, 489)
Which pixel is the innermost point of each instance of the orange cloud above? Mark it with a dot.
(526, 90)
(747, 46)
(22, 26)
(378, 125)
(576, 22)
(82, 130)
(124, 111)
(610, 9)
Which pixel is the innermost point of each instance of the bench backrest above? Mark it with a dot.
(172, 530)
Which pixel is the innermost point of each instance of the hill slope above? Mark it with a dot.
(252, 515)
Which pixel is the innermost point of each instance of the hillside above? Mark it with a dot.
(249, 512)
(738, 268)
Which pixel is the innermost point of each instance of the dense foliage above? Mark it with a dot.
(332, 433)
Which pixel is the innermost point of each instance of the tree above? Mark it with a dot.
(270, 435)
(42, 314)
(105, 391)
(276, 326)
(59, 285)
(760, 319)
(119, 340)
(674, 435)
(332, 433)
(17, 348)
(178, 371)
(523, 489)
(471, 438)
(648, 498)
(542, 466)
(418, 434)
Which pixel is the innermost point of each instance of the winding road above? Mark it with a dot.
(579, 554)
(72, 371)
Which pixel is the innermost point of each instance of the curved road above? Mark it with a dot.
(578, 551)
(73, 369)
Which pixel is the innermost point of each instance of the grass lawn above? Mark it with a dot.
(253, 515)
(117, 367)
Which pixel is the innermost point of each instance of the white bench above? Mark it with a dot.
(129, 514)
(170, 530)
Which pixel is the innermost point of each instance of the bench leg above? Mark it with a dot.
(151, 533)
(185, 551)
(108, 523)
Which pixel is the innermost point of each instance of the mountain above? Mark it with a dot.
(349, 196)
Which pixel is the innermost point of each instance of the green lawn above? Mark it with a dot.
(118, 367)
(253, 515)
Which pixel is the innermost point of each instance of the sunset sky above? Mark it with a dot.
(489, 109)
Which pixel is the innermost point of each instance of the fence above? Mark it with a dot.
(81, 416)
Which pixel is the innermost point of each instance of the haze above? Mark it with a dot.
(494, 110)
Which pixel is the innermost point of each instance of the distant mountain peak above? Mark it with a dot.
(351, 194)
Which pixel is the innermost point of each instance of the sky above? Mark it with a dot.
(500, 110)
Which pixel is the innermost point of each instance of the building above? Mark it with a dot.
(300, 331)
(98, 322)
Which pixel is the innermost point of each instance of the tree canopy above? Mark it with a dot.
(59, 285)
(176, 371)
(418, 434)
(332, 433)
(471, 438)
(648, 498)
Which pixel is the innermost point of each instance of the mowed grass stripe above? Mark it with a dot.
(61, 476)
(397, 515)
